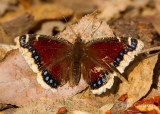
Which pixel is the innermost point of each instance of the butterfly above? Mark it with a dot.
(58, 61)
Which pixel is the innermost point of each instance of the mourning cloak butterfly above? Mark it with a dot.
(57, 61)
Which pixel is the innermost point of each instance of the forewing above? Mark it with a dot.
(48, 56)
(118, 52)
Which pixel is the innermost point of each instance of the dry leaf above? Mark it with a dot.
(43, 12)
(112, 8)
(4, 49)
(5, 5)
(136, 27)
(47, 27)
(156, 23)
(140, 79)
(146, 105)
(89, 28)
(18, 26)
(4, 38)
(78, 6)
(51, 107)
(19, 82)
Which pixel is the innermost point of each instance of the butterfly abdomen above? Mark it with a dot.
(75, 68)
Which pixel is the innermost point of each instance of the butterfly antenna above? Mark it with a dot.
(93, 14)
(70, 26)
(96, 29)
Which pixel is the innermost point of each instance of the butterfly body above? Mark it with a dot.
(75, 66)
(58, 61)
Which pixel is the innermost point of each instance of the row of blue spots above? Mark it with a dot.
(48, 79)
(121, 54)
(133, 43)
(102, 80)
(36, 57)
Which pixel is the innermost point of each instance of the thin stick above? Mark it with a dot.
(117, 72)
(150, 49)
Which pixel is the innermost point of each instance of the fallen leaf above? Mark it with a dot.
(78, 6)
(18, 26)
(140, 79)
(49, 11)
(49, 106)
(4, 49)
(19, 82)
(47, 27)
(136, 27)
(156, 23)
(148, 107)
(89, 28)
(112, 8)
(145, 105)
(5, 5)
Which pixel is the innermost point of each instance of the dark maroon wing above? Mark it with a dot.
(118, 52)
(48, 56)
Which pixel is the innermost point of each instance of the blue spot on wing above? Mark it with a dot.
(45, 72)
(47, 78)
(121, 53)
(99, 82)
(118, 59)
(51, 81)
(36, 57)
(105, 75)
(34, 51)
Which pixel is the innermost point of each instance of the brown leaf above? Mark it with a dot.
(73, 106)
(89, 28)
(112, 8)
(145, 105)
(156, 23)
(18, 26)
(140, 79)
(4, 38)
(19, 85)
(136, 27)
(43, 12)
(78, 6)
(47, 27)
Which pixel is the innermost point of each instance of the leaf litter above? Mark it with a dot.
(19, 82)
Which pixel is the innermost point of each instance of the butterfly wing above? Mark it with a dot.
(118, 52)
(48, 56)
